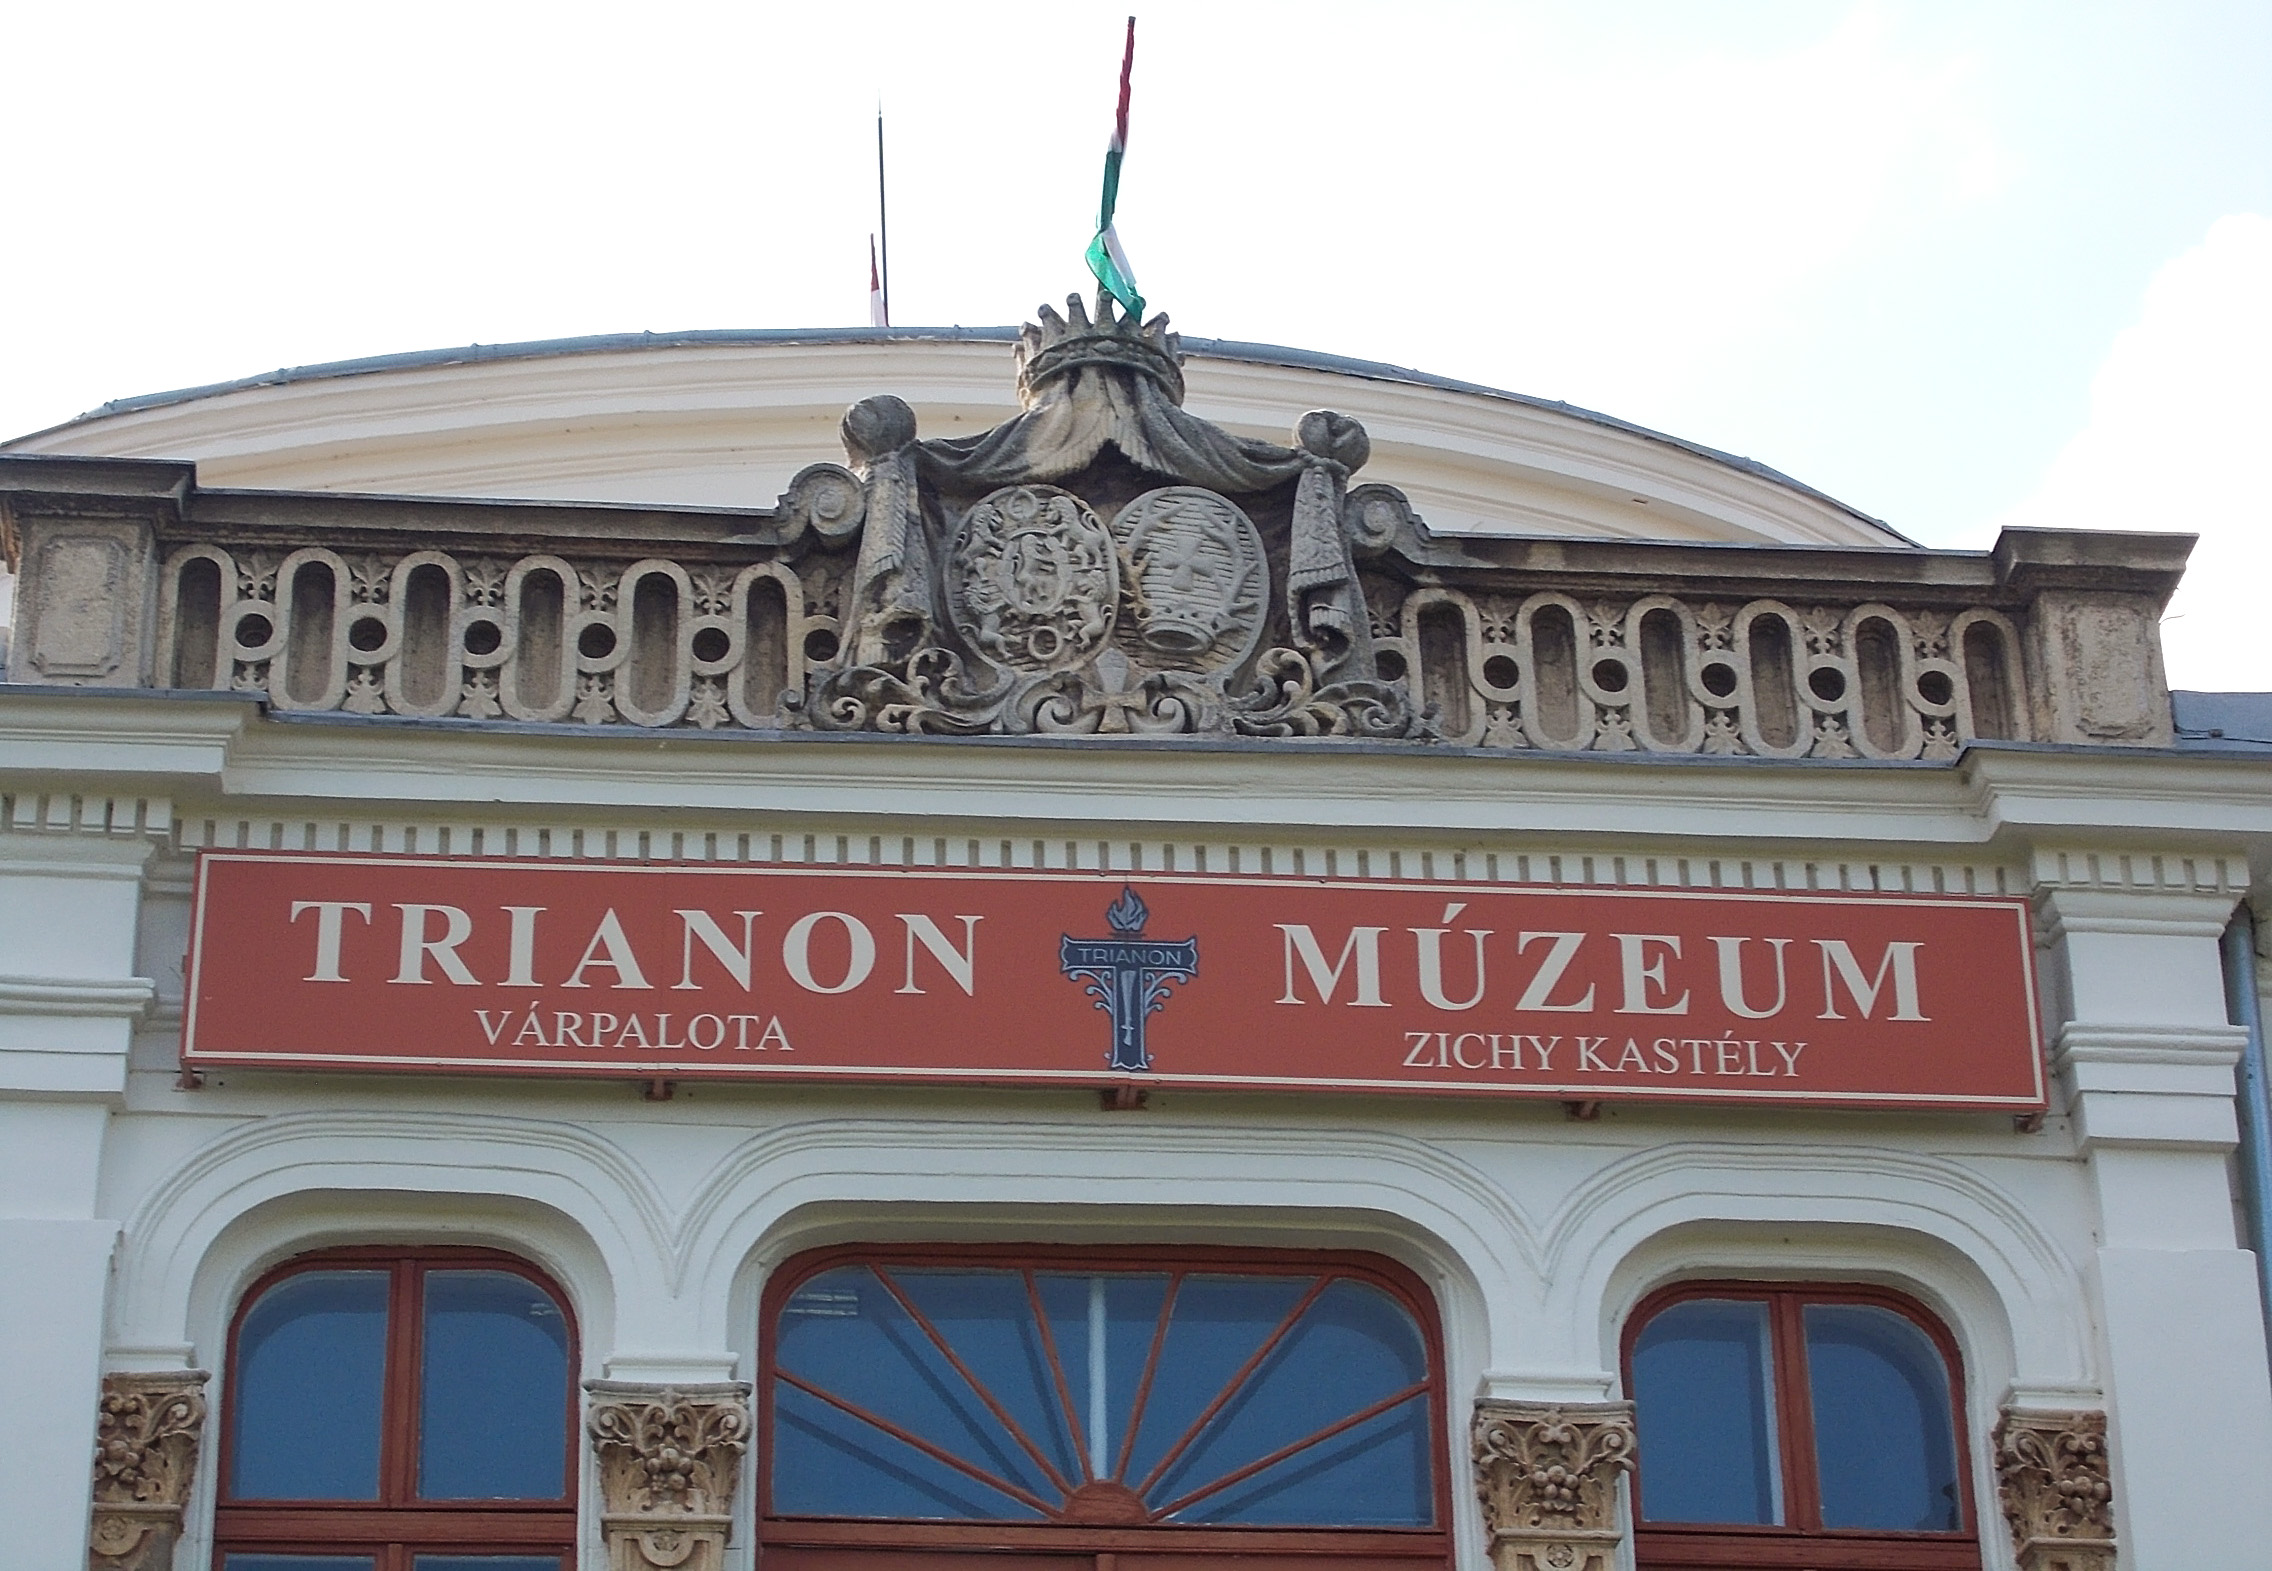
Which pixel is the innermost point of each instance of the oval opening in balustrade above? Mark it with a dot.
(1664, 674)
(1554, 675)
(1774, 681)
(1877, 665)
(651, 671)
(1443, 667)
(308, 649)
(1988, 683)
(425, 665)
(197, 622)
(539, 671)
(765, 646)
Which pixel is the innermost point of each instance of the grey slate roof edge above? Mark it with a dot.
(1209, 348)
(2222, 722)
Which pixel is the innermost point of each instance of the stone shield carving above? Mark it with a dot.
(1198, 582)
(1033, 581)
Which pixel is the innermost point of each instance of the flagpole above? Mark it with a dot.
(883, 212)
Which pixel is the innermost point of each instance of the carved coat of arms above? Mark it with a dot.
(988, 597)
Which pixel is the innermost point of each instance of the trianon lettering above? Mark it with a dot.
(440, 964)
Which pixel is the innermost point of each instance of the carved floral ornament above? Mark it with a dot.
(1106, 563)
(1547, 1477)
(146, 1440)
(669, 1457)
(2053, 1475)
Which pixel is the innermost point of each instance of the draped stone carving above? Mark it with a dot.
(2057, 1490)
(146, 1442)
(1547, 1477)
(669, 1458)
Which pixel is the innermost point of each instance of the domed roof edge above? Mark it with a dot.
(1210, 348)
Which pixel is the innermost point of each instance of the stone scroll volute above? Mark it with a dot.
(2057, 1489)
(669, 1459)
(1547, 1477)
(146, 1442)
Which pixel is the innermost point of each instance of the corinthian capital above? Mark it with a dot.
(1547, 1476)
(669, 1457)
(2051, 1470)
(145, 1453)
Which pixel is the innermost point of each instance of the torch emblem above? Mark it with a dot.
(1129, 974)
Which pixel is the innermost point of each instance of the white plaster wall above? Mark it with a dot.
(2061, 1260)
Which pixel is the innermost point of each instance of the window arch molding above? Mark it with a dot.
(806, 1538)
(177, 1298)
(279, 1186)
(418, 1468)
(1921, 1225)
(1964, 1299)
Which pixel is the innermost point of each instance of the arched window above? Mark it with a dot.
(399, 1410)
(1092, 1403)
(1797, 1426)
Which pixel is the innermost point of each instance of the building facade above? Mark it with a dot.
(373, 735)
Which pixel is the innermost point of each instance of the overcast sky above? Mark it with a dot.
(1958, 264)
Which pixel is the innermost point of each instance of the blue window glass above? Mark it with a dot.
(1884, 1441)
(494, 1391)
(487, 1563)
(1703, 1383)
(1122, 1397)
(245, 1562)
(310, 1379)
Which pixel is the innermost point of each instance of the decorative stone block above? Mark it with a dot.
(1547, 1477)
(146, 1442)
(84, 601)
(2058, 1495)
(669, 1458)
(2100, 658)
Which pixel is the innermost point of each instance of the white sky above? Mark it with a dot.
(1956, 264)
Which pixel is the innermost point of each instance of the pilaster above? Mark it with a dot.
(669, 1458)
(2145, 1057)
(1547, 1476)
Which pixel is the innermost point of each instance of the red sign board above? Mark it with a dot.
(508, 967)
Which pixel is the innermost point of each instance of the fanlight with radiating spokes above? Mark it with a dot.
(1126, 1397)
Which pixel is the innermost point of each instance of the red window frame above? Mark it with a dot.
(787, 1543)
(398, 1524)
(1804, 1543)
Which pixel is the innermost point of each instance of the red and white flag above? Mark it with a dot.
(878, 316)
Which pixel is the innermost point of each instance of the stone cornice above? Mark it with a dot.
(1992, 797)
(125, 998)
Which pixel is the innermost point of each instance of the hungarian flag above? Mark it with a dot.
(878, 316)
(1106, 259)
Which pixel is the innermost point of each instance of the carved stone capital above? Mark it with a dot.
(1547, 1476)
(669, 1457)
(2051, 1471)
(146, 1441)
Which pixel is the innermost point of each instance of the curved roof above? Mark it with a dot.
(724, 416)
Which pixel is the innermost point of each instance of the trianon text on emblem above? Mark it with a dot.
(1129, 974)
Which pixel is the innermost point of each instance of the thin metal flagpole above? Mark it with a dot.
(883, 212)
